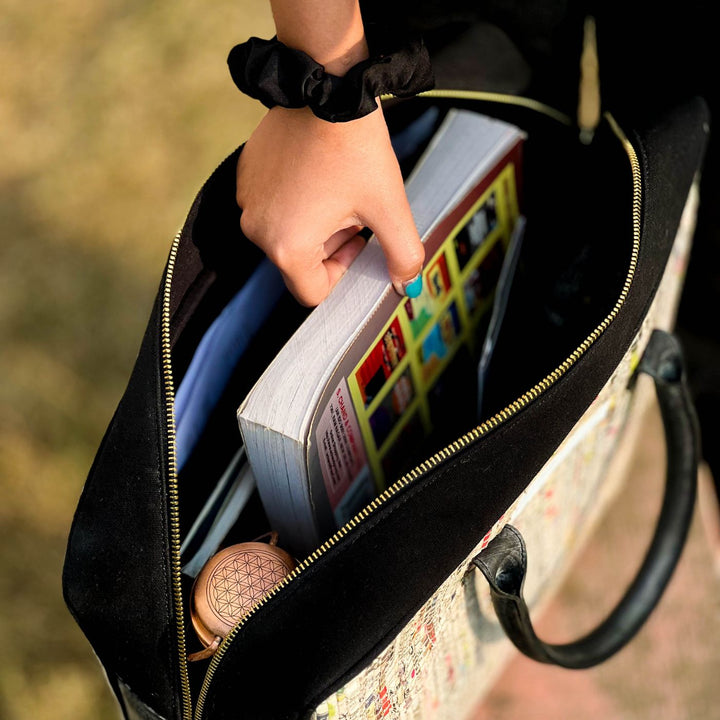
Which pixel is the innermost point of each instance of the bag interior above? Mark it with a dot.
(574, 262)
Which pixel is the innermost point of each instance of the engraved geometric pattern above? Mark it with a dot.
(241, 580)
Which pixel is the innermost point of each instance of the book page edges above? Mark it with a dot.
(278, 463)
(326, 334)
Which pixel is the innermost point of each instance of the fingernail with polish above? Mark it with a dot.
(413, 287)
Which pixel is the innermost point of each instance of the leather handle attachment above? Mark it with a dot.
(503, 562)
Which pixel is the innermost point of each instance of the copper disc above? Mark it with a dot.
(232, 582)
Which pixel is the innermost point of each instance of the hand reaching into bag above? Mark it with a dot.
(307, 187)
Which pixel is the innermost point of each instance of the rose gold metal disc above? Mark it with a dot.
(231, 583)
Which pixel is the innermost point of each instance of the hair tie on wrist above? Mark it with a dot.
(275, 74)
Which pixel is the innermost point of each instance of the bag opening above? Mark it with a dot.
(570, 275)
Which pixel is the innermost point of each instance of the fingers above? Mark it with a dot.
(395, 230)
(312, 269)
(338, 239)
(311, 283)
(338, 263)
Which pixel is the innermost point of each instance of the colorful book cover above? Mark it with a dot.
(399, 385)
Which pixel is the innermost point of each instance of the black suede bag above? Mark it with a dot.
(573, 316)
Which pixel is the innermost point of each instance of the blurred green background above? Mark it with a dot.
(111, 116)
(112, 113)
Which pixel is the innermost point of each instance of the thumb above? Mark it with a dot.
(395, 230)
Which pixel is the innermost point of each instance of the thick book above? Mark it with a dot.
(361, 385)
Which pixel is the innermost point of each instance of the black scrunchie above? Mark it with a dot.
(275, 74)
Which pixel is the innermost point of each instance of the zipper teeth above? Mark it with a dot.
(174, 500)
(477, 432)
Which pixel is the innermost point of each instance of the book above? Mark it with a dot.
(330, 422)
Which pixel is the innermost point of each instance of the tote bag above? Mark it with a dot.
(382, 619)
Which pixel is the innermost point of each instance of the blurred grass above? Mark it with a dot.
(111, 116)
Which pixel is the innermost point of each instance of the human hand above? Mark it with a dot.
(307, 187)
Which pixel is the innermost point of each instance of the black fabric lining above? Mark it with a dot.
(573, 266)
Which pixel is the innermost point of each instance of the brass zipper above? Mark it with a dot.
(174, 498)
(459, 444)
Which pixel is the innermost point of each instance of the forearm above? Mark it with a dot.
(330, 31)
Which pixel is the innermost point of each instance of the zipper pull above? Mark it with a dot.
(588, 114)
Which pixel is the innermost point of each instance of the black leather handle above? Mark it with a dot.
(503, 562)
